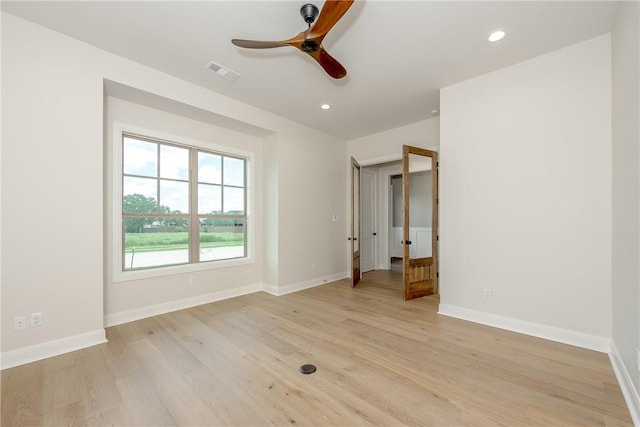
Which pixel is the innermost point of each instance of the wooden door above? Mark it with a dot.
(368, 221)
(420, 222)
(355, 222)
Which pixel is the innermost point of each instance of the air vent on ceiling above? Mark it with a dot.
(222, 71)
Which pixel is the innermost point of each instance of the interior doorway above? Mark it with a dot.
(382, 242)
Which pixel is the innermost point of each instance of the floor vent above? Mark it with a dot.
(307, 369)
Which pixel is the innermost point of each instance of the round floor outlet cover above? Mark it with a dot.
(307, 369)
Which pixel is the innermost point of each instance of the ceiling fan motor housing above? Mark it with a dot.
(309, 46)
(309, 13)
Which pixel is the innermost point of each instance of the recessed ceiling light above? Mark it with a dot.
(496, 35)
(325, 106)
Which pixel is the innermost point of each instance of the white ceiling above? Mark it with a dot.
(398, 54)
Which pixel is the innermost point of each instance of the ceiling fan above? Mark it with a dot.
(309, 41)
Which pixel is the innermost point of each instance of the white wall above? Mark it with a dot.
(270, 221)
(52, 186)
(525, 196)
(385, 146)
(311, 190)
(51, 205)
(626, 198)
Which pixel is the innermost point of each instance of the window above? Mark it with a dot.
(181, 204)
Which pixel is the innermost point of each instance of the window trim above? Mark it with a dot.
(118, 275)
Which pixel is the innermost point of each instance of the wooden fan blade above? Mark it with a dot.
(329, 63)
(310, 40)
(258, 44)
(331, 13)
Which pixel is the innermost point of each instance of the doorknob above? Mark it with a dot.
(348, 238)
(355, 238)
(408, 242)
(375, 234)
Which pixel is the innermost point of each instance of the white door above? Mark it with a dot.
(368, 248)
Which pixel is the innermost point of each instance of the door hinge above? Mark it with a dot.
(437, 238)
(438, 275)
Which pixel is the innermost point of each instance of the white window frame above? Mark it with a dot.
(118, 275)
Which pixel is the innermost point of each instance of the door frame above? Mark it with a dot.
(385, 204)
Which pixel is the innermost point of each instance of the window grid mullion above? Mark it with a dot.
(194, 222)
(158, 178)
(222, 211)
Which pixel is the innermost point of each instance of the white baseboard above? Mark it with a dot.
(295, 287)
(629, 391)
(53, 348)
(121, 317)
(48, 349)
(579, 339)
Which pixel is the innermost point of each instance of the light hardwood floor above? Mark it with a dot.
(380, 360)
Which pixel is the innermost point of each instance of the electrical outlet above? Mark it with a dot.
(487, 294)
(192, 280)
(36, 319)
(19, 323)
